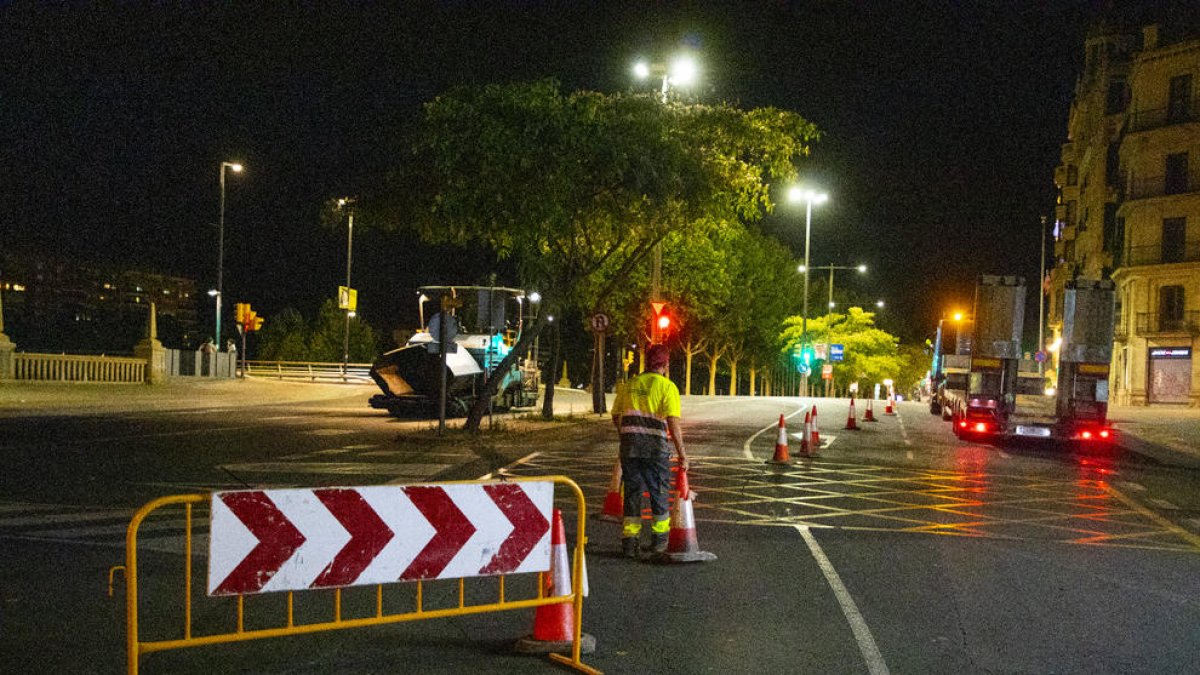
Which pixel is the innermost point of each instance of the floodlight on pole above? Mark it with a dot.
(797, 193)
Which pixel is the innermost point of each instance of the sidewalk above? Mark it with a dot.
(36, 398)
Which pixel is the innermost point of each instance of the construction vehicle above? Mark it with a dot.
(482, 323)
(1006, 397)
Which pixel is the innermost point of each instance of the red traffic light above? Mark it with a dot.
(664, 322)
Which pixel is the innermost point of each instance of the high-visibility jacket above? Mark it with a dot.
(644, 405)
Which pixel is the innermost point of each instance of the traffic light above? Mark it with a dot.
(240, 311)
(661, 325)
(807, 355)
(257, 325)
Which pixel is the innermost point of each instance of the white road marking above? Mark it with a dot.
(1193, 523)
(1132, 486)
(1005, 455)
(331, 432)
(775, 425)
(339, 468)
(1162, 504)
(502, 470)
(909, 454)
(903, 430)
(858, 625)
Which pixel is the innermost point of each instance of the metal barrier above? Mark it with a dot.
(78, 368)
(136, 647)
(310, 370)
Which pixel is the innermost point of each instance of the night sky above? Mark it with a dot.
(942, 122)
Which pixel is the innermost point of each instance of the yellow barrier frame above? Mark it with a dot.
(136, 648)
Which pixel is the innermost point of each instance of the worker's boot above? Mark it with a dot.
(658, 543)
(629, 547)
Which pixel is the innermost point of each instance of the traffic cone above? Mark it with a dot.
(554, 625)
(682, 545)
(869, 416)
(851, 422)
(781, 445)
(614, 503)
(815, 444)
(888, 410)
(806, 433)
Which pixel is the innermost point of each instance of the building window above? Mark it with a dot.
(1116, 97)
(1179, 103)
(1070, 214)
(1174, 239)
(1177, 173)
(1170, 307)
(1112, 165)
(1111, 243)
(1072, 174)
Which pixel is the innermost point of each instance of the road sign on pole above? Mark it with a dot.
(836, 352)
(827, 371)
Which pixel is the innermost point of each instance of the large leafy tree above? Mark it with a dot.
(577, 188)
(871, 354)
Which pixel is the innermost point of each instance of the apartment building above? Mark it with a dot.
(1129, 205)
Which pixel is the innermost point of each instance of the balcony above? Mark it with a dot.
(1145, 120)
(1159, 186)
(1155, 255)
(1152, 323)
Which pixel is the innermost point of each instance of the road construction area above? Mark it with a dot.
(891, 547)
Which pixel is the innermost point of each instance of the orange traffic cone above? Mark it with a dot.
(851, 422)
(554, 625)
(815, 444)
(869, 416)
(888, 410)
(781, 445)
(682, 545)
(806, 432)
(614, 503)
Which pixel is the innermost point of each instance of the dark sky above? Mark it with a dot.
(942, 122)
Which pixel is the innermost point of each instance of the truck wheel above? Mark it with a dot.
(935, 408)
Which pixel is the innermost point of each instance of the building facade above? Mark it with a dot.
(1129, 206)
(54, 304)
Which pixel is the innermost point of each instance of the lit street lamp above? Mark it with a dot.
(682, 72)
(862, 269)
(237, 168)
(348, 204)
(809, 197)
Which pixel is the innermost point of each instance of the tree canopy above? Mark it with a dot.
(577, 188)
(871, 355)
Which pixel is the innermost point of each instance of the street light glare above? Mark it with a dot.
(683, 71)
(236, 167)
(212, 292)
(535, 297)
(862, 269)
(879, 304)
(799, 194)
(641, 70)
(801, 269)
(958, 316)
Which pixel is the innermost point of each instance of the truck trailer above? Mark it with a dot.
(1004, 397)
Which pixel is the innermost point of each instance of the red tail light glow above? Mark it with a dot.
(963, 424)
(1105, 433)
(1085, 435)
(980, 426)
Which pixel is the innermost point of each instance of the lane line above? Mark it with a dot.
(858, 625)
(503, 469)
(746, 446)
(1190, 538)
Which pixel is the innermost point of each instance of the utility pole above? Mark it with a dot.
(1042, 300)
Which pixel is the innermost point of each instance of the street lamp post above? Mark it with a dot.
(809, 197)
(348, 204)
(681, 72)
(862, 269)
(221, 250)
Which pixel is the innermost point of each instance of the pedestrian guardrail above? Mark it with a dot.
(78, 368)
(432, 536)
(312, 371)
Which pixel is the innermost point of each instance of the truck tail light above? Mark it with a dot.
(981, 427)
(1105, 433)
(1085, 435)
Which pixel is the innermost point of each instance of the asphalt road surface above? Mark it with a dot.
(896, 549)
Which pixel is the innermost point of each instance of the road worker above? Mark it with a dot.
(646, 414)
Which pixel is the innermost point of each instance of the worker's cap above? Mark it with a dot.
(658, 356)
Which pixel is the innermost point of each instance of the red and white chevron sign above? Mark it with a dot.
(290, 540)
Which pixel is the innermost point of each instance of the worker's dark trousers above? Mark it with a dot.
(653, 475)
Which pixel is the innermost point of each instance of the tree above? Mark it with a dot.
(578, 188)
(871, 355)
(287, 337)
